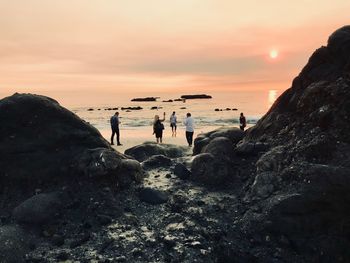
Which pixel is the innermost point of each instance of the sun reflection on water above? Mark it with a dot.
(272, 96)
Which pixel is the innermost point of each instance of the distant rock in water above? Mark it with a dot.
(145, 99)
(131, 108)
(156, 108)
(199, 96)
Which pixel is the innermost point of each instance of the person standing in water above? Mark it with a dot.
(242, 122)
(173, 121)
(115, 128)
(158, 128)
(189, 123)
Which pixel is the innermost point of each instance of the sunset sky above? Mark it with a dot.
(82, 48)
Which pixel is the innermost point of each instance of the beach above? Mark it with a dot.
(208, 114)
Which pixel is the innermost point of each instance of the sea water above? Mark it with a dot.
(136, 125)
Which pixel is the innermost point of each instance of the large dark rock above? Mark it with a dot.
(153, 196)
(39, 209)
(196, 96)
(301, 186)
(181, 171)
(234, 135)
(40, 141)
(209, 170)
(145, 99)
(157, 161)
(143, 151)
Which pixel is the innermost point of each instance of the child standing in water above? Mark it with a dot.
(158, 128)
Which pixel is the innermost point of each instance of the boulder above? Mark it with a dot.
(153, 196)
(220, 147)
(39, 209)
(208, 170)
(197, 96)
(157, 161)
(234, 135)
(129, 171)
(145, 99)
(14, 244)
(181, 171)
(143, 151)
(51, 145)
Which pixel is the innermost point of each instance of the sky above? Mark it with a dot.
(96, 49)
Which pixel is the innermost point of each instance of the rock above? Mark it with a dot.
(208, 170)
(145, 99)
(168, 101)
(232, 134)
(39, 209)
(198, 96)
(91, 109)
(251, 148)
(131, 108)
(129, 171)
(143, 151)
(220, 147)
(153, 196)
(156, 108)
(108, 164)
(57, 240)
(14, 244)
(181, 171)
(104, 219)
(157, 161)
(80, 240)
(50, 143)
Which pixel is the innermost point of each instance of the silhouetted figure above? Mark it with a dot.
(242, 122)
(158, 128)
(115, 128)
(189, 123)
(173, 122)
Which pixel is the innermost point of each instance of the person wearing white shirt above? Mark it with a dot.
(189, 123)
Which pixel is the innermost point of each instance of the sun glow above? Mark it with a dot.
(273, 53)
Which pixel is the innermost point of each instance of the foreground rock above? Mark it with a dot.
(144, 151)
(39, 209)
(52, 144)
(234, 135)
(302, 179)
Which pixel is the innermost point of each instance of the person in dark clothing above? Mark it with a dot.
(158, 128)
(242, 122)
(115, 128)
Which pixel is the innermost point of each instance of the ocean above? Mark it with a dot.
(221, 111)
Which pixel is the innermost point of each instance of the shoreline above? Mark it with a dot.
(133, 137)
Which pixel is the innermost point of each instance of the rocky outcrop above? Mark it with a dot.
(145, 99)
(42, 142)
(197, 96)
(144, 151)
(234, 135)
(302, 150)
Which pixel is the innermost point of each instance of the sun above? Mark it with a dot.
(273, 53)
